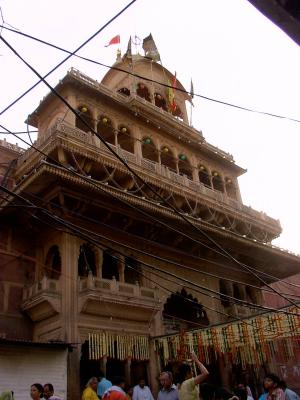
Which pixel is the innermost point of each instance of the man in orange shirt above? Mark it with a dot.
(116, 391)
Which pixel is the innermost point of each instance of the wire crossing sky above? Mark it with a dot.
(226, 58)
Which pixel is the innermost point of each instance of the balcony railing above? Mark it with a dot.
(46, 285)
(117, 288)
(63, 129)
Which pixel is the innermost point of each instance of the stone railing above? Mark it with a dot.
(11, 146)
(62, 129)
(44, 285)
(115, 287)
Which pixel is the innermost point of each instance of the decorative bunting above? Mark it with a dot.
(253, 341)
(127, 346)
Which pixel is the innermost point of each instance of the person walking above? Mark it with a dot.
(116, 391)
(103, 384)
(168, 390)
(188, 386)
(36, 391)
(49, 392)
(90, 392)
(271, 384)
(141, 391)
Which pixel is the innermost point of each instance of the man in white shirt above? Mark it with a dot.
(141, 391)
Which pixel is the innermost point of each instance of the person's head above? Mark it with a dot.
(184, 372)
(241, 385)
(241, 393)
(142, 382)
(48, 390)
(36, 391)
(271, 382)
(282, 384)
(93, 383)
(166, 379)
(118, 381)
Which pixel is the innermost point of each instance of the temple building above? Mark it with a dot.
(122, 223)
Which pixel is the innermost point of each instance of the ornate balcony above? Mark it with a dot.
(43, 299)
(112, 298)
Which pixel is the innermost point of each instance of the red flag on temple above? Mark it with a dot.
(114, 40)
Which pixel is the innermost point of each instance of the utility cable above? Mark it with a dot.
(70, 54)
(99, 187)
(203, 233)
(150, 242)
(152, 80)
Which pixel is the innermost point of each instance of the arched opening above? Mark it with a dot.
(184, 166)
(167, 158)
(125, 140)
(217, 182)
(230, 188)
(183, 311)
(204, 176)
(110, 268)
(124, 91)
(105, 129)
(86, 261)
(149, 151)
(143, 91)
(160, 101)
(132, 271)
(53, 263)
(86, 115)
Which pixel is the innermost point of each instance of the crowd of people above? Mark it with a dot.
(187, 385)
(190, 385)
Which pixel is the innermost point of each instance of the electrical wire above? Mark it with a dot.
(203, 233)
(152, 80)
(90, 234)
(99, 187)
(70, 54)
(150, 242)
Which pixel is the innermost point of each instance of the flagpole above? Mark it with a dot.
(192, 96)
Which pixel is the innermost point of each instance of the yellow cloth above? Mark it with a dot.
(89, 394)
(188, 390)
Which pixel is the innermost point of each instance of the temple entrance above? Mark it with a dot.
(88, 368)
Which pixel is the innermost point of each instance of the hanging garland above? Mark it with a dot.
(118, 346)
(253, 341)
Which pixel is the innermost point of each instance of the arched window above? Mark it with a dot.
(185, 310)
(184, 166)
(160, 101)
(217, 182)
(86, 261)
(132, 271)
(230, 188)
(53, 263)
(125, 140)
(124, 91)
(149, 151)
(143, 91)
(204, 176)
(86, 115)
(167, 158)
(110, 267)
(105, 129)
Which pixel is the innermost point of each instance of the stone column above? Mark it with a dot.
(121, 268)
(70, 117)
(128, 370)
(69, 312)
(99, 262)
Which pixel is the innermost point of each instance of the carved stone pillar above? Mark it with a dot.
(128, 370)
(121, 268)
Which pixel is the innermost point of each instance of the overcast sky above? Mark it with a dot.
(232, 53)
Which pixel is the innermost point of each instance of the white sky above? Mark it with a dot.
(232, 53)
